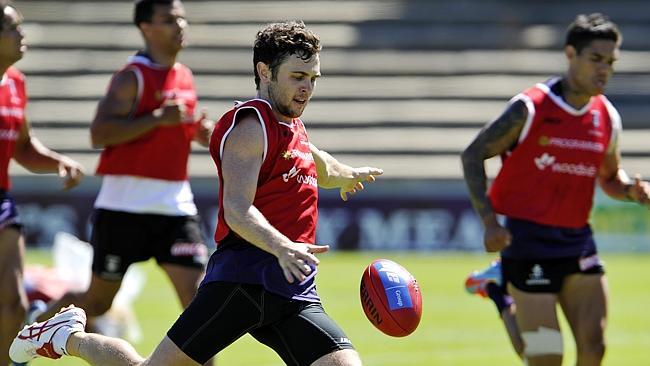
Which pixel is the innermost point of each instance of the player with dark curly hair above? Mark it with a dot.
(261, 279)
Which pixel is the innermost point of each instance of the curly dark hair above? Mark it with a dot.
(275, 42)
(3, 5)
(144, 9)
(586, 28)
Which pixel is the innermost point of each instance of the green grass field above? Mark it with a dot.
(456, 329)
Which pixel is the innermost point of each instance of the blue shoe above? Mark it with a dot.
(477, 281)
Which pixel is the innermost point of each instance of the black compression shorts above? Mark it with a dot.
(299, 332)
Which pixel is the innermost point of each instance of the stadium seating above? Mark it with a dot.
(406, 84)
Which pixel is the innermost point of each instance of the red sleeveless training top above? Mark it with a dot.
(12, 117)
(287, 189)
(550, 176)
(163, 152)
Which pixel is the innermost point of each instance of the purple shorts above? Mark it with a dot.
(8, 212)
(531, 240)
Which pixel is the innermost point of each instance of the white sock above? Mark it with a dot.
(60, 339)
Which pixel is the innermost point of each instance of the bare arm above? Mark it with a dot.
(113, 123)
(240, 165)
(494, 139)
(334, 174)
(615, 182)
(35, 157)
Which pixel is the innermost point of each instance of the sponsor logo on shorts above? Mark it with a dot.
(343, 340)
(536, 276)
(189, 250)
(590, 262)
(112, 263)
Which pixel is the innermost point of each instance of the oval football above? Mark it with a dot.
(391, 298)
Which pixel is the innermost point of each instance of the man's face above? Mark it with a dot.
(292, 85)
(592, 68)
(167, 27)
(12, 46)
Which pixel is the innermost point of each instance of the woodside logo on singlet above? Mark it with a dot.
(8, 135)
(294, 171)
(300, 178)
(15, 112)
(546, 160)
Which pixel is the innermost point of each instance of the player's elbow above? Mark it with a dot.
(98, 137)
(27, 157)
(467, 156)
(233, 212)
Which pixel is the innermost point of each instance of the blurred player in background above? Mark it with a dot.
(17, 142)
(261, 278)
(145, 207)
(70, 271)
(557, 139)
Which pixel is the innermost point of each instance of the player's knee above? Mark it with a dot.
(594, 351)
(591, 346)
(346, 357)
(542, 342)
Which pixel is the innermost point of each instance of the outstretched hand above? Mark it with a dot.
(71, 172)
(354, 183)
(639, 191)
(295, 260)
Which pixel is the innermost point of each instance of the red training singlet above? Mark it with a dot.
(163, 152)
(12, 116)
(287, 189)
(549, 177)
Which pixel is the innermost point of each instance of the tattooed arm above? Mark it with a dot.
(494, 139)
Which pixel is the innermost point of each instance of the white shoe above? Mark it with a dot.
(48, 338)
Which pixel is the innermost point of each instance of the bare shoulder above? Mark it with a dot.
(120, 97)
(246, 137)
(501, 134)
(515, 115)
(124, 82)
(248, 115)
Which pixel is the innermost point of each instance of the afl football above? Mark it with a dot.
(391, 298)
